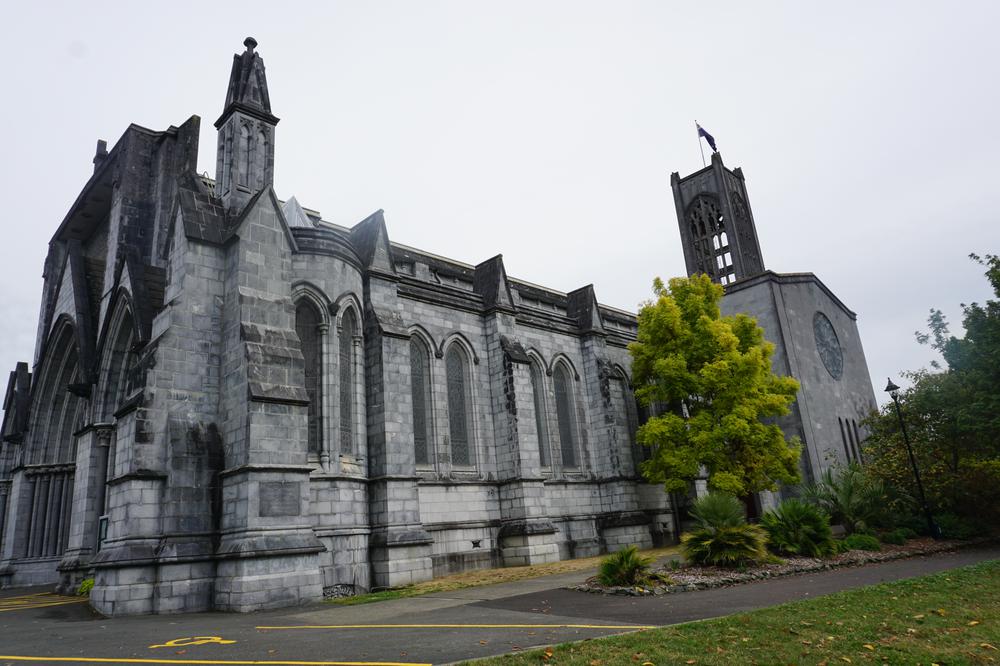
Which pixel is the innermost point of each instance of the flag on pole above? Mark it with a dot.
(708, 137)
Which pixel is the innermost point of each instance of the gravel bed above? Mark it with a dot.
(691, 578)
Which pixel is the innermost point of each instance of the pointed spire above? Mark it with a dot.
(248, 86)
(370, 240)
(490, 282)
(582, 306)
(295, 216)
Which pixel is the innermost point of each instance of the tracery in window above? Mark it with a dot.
(564, 413)
(458, 416)
(307, 321)
(420, 390)
(348, 381)
(708, 236)
(537, 390)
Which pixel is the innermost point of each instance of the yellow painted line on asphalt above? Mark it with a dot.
(462, 626)
(37, 601)
(211, 662)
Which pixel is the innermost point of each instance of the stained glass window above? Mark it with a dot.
(306, 325)
(420, 391)
(564, 413)
(348, 330)
(458, 420)
(540, 416)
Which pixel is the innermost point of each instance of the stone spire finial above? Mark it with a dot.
(247, 90)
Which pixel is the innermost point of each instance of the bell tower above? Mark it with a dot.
(717, 228)
(245, 160)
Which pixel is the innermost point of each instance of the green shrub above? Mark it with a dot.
(730, 546)
(915, 524)
(850, 497)
(797, 528)
(907, 533)
(955, 527)
(861, 542)
(86, 585)
(895, 537)
(626, 567)
(717, 510)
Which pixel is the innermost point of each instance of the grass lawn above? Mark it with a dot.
(489, 577)
(947, 618)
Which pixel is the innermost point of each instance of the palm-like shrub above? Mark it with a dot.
(626, 567)
(723, 537)
(850, 497)
(798, 528)
(725, 546)
(718, 510)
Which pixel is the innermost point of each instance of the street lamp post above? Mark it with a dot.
(935, 531)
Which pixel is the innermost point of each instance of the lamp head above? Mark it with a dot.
(892, 389)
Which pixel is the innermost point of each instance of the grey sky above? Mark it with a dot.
(547, 131)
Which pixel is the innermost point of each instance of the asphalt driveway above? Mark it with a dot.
(39, 627)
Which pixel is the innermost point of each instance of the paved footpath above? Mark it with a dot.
(39, 627)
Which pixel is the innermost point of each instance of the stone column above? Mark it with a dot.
(326, 397)
(400, 547)
(15, 525)
(267, 553)
(526, 533)
(621, 522)
(88, 502)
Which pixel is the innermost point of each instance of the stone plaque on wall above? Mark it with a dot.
(279, 498)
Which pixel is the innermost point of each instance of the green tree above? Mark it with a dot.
(952, 415)
(708, 379)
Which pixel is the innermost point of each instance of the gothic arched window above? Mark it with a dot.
(708, 237)
(458, 412)
(420, 391)
(348, 381)
(564, 413)
(57, 414)
(537, 390)
(307, 321)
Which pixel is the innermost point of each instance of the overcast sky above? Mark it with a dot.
(547, 131)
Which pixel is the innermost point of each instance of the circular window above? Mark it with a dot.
(828, 345)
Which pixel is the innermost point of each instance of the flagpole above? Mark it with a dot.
(700, 147)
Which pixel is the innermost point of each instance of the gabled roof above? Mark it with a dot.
(203, 214)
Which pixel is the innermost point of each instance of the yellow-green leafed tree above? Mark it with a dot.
(710, 379)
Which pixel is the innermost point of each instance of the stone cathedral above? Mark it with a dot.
(236, 405)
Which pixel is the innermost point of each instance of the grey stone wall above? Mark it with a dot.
(190, 481)
(785, 306)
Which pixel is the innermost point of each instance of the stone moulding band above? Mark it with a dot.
(461, 525)
(622, 519)
(257, 392)
(130, 404)
(138, 475)
(409, 537)
(61, 468)
(280, 469)
(526, 528)
(270, 546)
